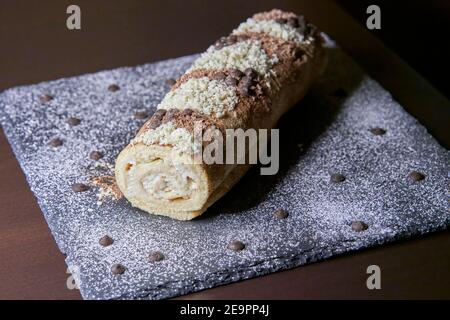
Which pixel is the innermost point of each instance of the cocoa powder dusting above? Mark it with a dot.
(107, 188)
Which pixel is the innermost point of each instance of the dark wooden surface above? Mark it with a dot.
(36, 46)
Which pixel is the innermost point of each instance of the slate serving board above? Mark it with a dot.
(328, 132)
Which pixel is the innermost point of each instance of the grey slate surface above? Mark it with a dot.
(324, 134)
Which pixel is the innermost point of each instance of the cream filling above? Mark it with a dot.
(161, 180)
(169, 186)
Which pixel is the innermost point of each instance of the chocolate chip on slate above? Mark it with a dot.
(113, 87)
(106, 241)
(117, 268)
(56, 142)
(236, 245)
(140, 115)
(79, 187)
(236, 73)
(280, 214)
(231, 81)
(358, 226)
(45, 98)
(170, 82)
(337, 178)
(72, 121)
(340, 93)
(416, 176)
(378, 131)
(96, 155)
(155, 256)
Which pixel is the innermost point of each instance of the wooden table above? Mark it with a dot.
(36, 46)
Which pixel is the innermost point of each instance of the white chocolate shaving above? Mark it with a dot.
(271, 28)
(168, 134)
(241, 55)
(205, 95)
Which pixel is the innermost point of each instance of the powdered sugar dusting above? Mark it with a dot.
(335, 135)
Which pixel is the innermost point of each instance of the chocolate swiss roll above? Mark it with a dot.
(246, 80)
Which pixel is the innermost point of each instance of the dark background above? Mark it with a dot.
(417, 30)
(36, 46)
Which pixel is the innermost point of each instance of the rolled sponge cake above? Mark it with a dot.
(247, 79)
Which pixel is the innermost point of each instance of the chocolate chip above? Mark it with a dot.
(293, 22)
(242, 37)
(170, 114)
(154, 123)
(159, 113)
(219, 76)
(231, 39)
(250, 72)
(79, 187)
(358, 226)
(187, 112)
(113, 87)
(340, 93)
(231, 81)
(244, 91)
(309, 28)
(56, 142)
(219, 44)
(155, 256)
(378, 131)
(236, 245)
(170, 81)
(117, 268)
(416, 176)
(247, 81)
(337, 178)
(96, 155)
(244, 88)
(106, 241)
(140, 115)
(45, 98)
(281, 20)
(156, 119)
(281, 214)
(298, 53)
(72, 121)
(236, 73)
